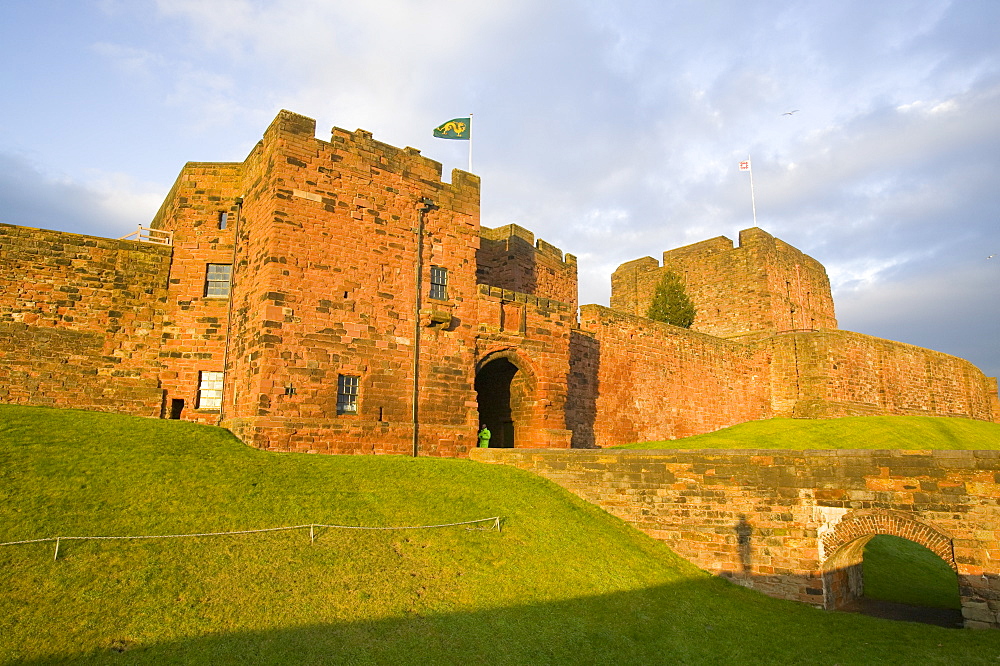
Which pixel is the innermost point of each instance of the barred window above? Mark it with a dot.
(217, 280)
(209, 390)
(439, 282)
(347, 394)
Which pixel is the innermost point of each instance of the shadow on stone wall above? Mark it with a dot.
(582, 387)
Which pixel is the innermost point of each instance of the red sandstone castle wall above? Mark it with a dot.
(633, 380)
(764, 285)
(655, 381)
(80, 321)
(325, 285)
(839, 373)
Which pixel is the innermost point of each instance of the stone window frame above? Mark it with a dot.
(210, 390)
(348, 389)
(439, 283)
(218, 280)
(223, 219)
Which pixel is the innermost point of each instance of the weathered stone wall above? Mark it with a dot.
(839, 373)
(326, 285)
(793, 524)
(655, 381)
(763, 285)
(80, 321)
(634, 380)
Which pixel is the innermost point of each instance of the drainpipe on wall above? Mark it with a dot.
(426, 205)
(229, 308)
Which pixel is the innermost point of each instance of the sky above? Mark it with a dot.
(611, 129)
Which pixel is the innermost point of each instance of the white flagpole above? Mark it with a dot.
(470, 143)
(753, 203)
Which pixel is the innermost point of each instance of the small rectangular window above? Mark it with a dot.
(223, 219)
(439, 282)
(209, 390)
(347, 394)
(217, 280)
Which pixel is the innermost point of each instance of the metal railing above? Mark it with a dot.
(147, 235)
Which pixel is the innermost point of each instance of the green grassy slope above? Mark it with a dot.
(855, 432)
(900, 570)
(562, 583)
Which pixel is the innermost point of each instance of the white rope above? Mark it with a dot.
(495, 519)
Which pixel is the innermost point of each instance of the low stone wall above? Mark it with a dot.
(792, 524)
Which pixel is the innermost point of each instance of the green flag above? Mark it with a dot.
(456, 128)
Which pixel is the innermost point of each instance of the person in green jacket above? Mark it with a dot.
(484, 437)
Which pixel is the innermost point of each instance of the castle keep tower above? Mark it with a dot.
(763, 285)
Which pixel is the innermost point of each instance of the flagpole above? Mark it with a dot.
(470, 143)
(753, 203)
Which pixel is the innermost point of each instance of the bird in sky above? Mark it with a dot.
(788, 113)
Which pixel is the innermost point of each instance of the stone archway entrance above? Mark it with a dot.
(502, 391)
(493, 393)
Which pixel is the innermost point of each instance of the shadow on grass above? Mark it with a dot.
(703, 621)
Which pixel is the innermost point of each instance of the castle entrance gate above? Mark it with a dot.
(503, 390)
(493, 384)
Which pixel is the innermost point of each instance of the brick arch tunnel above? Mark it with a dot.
(844, 546)
(504, 393)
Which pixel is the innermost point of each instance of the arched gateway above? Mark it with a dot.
(505, 389)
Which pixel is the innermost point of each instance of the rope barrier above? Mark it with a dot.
(312, 532)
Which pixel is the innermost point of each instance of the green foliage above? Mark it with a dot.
(670, 303)
(905, 572)
(853, 432)
(562, 583)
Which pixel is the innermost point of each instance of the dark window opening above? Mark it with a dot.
(217, 279)
(439, 283)
(347, 394)
(176, 407)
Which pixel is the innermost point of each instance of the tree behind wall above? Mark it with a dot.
(671, 304)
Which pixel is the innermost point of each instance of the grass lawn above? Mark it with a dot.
(854, 432)
(562, 583)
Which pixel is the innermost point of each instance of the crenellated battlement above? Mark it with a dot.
(762, 285)
(510, 257)
(509, 232)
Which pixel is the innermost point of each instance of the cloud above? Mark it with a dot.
(107, 204)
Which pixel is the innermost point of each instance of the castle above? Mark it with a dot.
(339, 297)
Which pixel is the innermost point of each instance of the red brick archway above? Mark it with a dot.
(843, 548)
